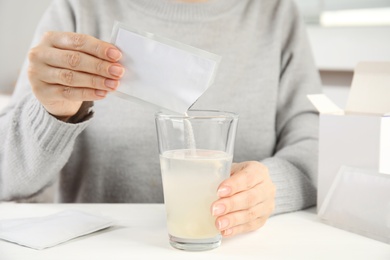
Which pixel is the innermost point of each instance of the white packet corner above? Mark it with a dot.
(162, 73)
(358, 201)
(43, 232)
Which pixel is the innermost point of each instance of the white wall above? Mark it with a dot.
(18, 19)
(338, 50)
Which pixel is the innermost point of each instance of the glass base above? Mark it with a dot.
(195, 244)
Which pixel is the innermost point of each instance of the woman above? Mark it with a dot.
(110, 154)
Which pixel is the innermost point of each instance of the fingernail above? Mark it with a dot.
(116, 71)
(111, 83)
(224, 191)
(227, 232)
(100, 93)
(218, 209)
(114, 54)
(223, 223)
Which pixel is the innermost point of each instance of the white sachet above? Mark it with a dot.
(359, 201)
(162, 73)
(49, 231)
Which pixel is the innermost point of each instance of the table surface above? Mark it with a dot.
(140, 233)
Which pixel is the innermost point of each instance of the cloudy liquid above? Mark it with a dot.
(190, 180)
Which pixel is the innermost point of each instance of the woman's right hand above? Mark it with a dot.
(68, 68)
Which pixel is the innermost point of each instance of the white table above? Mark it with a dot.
(141, 233)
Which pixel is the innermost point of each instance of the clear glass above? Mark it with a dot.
(196, 152)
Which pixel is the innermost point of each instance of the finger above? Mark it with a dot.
(244, 177)
(71, 78)
(60, 92)
(241, 217)
(84, 43)
(239, 201)
(82, 62)
(247, 227)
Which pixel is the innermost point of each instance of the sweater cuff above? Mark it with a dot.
(52, 135)
(294, 190)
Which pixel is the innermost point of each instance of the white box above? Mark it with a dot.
(360, 135)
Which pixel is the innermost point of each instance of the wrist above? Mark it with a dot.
(83, 114)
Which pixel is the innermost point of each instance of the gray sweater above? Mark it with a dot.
(265, 74)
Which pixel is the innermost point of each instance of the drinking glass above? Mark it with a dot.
(196, 152)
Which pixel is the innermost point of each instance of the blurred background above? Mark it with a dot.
(342, 33)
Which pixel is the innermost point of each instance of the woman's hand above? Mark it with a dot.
(69, 68)
(247, 199)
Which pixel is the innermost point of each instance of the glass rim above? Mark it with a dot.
(213, 114)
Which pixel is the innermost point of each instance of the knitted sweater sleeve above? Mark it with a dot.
(34, 145)
(293, 168)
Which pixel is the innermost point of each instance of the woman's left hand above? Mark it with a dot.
(246, 199)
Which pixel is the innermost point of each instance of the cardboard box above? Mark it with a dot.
(358, 136)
